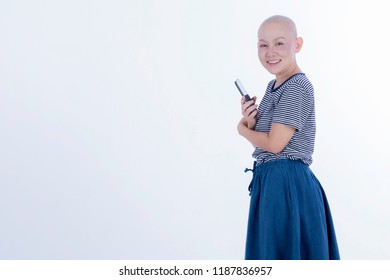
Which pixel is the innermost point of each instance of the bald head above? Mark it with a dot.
(277, 45)
(278, 23)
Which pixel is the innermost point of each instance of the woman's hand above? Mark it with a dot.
(249, 112)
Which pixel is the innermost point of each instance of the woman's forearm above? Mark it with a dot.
(274, 141)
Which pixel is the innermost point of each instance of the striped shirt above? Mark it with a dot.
(291, 103)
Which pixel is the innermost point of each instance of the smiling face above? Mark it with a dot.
(277, 46)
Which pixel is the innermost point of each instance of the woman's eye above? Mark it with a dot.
(262, 46)
(279, 44)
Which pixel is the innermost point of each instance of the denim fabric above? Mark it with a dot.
(289, 215)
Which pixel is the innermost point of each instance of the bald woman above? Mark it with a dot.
(289, 215)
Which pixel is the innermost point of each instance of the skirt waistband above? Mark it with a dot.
(258, 167)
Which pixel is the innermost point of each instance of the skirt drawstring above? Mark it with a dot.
(253, 171)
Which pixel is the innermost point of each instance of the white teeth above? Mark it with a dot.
(273, 61)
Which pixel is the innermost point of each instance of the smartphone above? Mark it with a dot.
(242, 90)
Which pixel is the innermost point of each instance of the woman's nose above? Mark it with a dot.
(270, 52)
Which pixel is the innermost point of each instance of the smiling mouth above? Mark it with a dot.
(274, 61)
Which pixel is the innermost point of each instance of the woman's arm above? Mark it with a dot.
(274, 141)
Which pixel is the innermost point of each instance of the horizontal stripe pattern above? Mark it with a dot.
(292, 103)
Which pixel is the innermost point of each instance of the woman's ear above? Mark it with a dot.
(299, 43)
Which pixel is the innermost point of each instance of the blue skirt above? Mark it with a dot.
(289, 215)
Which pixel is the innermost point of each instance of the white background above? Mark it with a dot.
(118, 125)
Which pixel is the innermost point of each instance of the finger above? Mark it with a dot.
(246, 109)
(243, 101)
(248, 103)
(250, 107)
(253, 113)
(254, 98)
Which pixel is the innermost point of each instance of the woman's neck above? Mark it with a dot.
(280, 79)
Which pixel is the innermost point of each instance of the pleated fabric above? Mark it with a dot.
(289, 215)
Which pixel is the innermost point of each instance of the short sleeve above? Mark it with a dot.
(294, 106)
